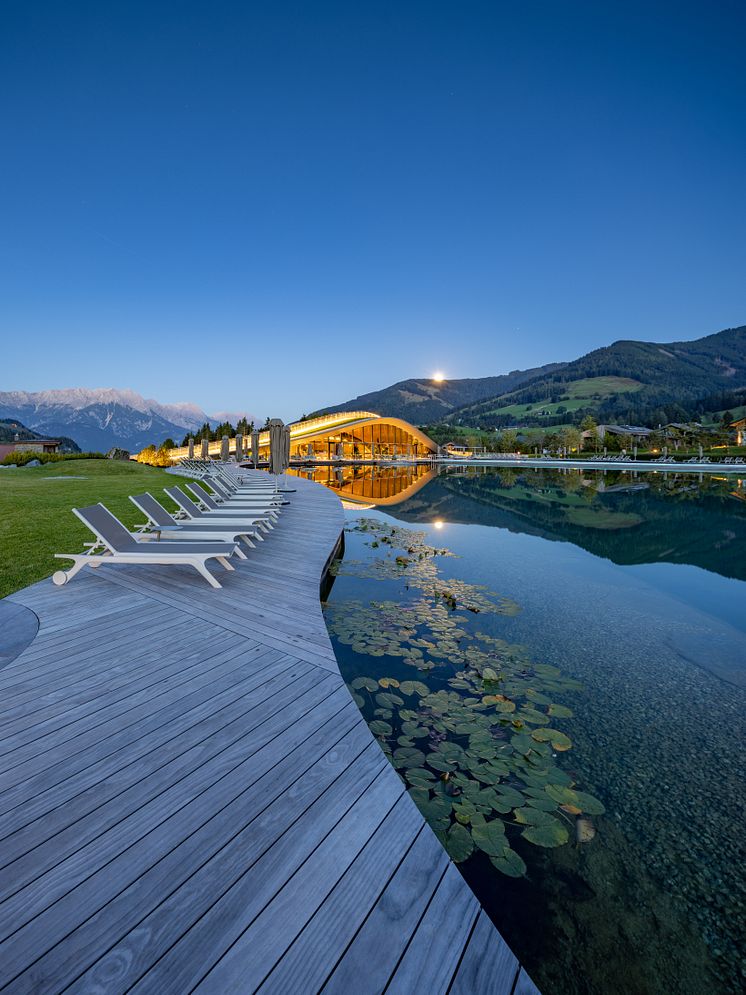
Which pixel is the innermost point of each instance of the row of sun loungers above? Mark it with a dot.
(209, 525)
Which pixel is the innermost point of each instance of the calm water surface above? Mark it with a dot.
(634, 587)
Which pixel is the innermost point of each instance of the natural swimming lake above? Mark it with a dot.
(563, 689)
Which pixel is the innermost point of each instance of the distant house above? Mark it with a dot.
(29, 446)
(38, 446)
(632, 433)
(740, 427)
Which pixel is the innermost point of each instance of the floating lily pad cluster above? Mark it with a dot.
(404, 555)
(478, 754)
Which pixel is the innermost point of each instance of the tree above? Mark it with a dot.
(570, 437)
(168, 444)
(726, 419)
(611, 442)
(508, 441)
(588, 424)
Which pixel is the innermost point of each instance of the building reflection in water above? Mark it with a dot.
(372, 486)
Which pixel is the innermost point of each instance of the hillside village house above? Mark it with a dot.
(29, 446)
(634, 434)
(740, 427)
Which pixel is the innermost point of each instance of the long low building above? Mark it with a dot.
(349, 435)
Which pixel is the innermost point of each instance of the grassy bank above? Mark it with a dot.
(35, 517)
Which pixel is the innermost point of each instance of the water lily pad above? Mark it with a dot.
(387, 700)
(559, 711)
(438, 763)
(420, 776)
(414, 730)
(588, 804)
(548, 835)
(437, 813)
(464, 810)
(380, 728)
(529, 816)
(458, 843)
(521, 743)
(510, 863)
(364, 682)
(490, 837)
(558, 739)
(510, 796)
(388, 682)
(419, 795)
(408, 757)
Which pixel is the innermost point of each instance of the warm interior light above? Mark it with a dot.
(438, 524)
(439, 377)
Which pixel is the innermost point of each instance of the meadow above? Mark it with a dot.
(36, 520)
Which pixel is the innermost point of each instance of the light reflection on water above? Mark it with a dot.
(636, 587)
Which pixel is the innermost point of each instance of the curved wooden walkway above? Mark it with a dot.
(189, 798)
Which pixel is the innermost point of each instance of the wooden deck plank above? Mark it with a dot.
(147, 765)
(71, 703)
(189, 797)
(145, 805)
(524, 985)
(124, 936)
(93, 725)
(97, 739)
(308, 959)
(176, 894)
(343, 813)
(167, 717)
(488, 965)
(383, 937)
(428, 964)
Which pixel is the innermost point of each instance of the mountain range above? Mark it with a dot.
(101, 418)
(629, 381)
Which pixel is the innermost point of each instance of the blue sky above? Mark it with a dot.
(274, 207)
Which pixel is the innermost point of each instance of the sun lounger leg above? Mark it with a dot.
(60, 577)
(240, 553)
(224, 562)
(202, 568)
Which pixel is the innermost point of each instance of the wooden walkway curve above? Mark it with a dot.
(190, 800)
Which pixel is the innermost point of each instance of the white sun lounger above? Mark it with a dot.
(121, 547)
(165, 526)
(235, 518)
(212, 501)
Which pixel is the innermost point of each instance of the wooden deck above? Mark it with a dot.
(189, 798)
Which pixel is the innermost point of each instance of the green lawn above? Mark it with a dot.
(35, 517)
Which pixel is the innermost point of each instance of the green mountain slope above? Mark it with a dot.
(421, 401)
(628, 381)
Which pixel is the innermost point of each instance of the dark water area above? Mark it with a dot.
(565, 699)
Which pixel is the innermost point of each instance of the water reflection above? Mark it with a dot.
(372, 486)
(628, 517)
(633, 585)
